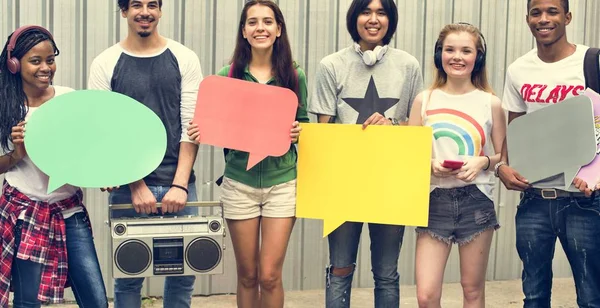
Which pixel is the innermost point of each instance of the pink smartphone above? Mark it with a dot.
(452, 164)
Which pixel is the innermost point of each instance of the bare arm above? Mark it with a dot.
(191, 73)
(498, 131)
(7, 161)
(176, 198)
(185, 163)
(511, 116)
(322, 118)
(509, 176)
(415, 118)
(17, 136)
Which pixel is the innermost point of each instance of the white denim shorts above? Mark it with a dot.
(241, 201)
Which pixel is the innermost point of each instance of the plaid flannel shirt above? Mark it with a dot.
(43, 240)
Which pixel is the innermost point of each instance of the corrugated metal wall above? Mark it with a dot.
(317, 28)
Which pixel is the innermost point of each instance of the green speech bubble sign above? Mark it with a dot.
(95, 139)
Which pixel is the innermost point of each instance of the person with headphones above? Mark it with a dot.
(468, 127)
(368, 83)
(47, 241)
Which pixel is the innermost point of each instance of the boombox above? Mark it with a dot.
(167, 246)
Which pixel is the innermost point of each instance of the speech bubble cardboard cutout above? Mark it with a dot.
(558, 139)
(95, 139)
(245, 116)
(378, 175)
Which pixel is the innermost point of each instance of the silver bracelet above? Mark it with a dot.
(497, 166)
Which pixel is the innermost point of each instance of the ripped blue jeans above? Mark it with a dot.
(386, 241)
(575, 221)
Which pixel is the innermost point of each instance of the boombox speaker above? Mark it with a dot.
(167, 246)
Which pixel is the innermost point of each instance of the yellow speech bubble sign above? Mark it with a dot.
(377, 175)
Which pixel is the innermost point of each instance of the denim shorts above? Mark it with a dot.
(459, 215)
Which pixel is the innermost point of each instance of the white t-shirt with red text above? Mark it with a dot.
(532, 84)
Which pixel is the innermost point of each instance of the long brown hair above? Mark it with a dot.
(281, 58)
(478, 78)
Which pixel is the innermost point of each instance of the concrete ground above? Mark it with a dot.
(499, 294)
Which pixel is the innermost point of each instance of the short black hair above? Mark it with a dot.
(124, 4)
(564, 3)
(358, 6)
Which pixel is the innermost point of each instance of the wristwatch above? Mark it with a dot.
(497, 166)
(394, 121)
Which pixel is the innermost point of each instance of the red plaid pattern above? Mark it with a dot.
(43, 240)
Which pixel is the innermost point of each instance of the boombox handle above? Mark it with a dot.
(198, 203)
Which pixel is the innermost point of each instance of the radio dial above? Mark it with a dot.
(214, 226)
(120, 229)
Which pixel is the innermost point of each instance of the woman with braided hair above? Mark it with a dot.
(46, 239)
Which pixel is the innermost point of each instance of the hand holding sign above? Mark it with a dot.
(245, 116)
(542, 144)
(95, 139)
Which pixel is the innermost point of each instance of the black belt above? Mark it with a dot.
(551, 193)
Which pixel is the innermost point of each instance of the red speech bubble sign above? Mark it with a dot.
(245, 116)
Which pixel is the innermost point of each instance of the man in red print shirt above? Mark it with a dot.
(547, 75)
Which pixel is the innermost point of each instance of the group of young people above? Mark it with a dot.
(47, 241)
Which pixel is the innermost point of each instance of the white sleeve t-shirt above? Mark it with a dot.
(32, 182)
(532, 84)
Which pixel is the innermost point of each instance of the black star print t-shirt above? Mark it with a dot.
(351, 91)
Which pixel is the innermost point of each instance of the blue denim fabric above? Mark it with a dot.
(26, 277)
(459, 215)
(576, 223)
(386, 241)
(123, 196)
(178, 289)
(84, 270)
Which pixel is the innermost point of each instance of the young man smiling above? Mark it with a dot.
(163, 75)
(547, 75)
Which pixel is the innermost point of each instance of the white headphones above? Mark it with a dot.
(370, 57)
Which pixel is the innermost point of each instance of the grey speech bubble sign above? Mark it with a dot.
(554, 140)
